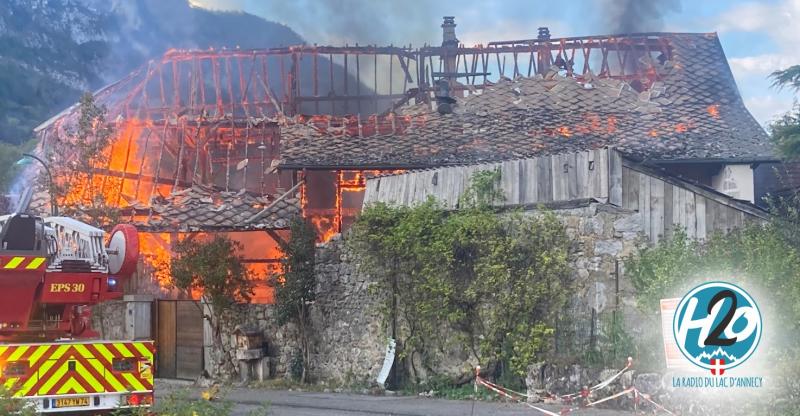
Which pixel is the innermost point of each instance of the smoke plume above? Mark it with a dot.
(634, 16)
(348, 21)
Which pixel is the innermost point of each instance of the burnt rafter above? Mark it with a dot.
(238, 85)
(228, 119)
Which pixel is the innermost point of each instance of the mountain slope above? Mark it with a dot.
(52, 50)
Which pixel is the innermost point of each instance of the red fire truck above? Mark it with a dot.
(52, 271)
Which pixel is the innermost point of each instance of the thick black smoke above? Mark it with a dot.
(636, 16)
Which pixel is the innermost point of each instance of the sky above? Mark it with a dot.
(758, 36)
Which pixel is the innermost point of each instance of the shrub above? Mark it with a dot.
(473, 279)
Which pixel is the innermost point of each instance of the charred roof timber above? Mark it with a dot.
(228, 118)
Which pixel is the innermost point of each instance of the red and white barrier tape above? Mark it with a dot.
(518, 397)
(605, 399)
(490, 386)
(657, 406)
(605, 383)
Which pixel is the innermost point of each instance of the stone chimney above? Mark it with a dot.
(449, 32)
(543, 57)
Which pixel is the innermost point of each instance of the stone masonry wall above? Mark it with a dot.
(602, 236)
(108, 319)
(280, 340)
(348, 336)
(349, 340)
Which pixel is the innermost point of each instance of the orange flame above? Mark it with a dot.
(681, 127)
(349, 191)
(612, 124)
(156, 256)
(564, 131)
(713, 110)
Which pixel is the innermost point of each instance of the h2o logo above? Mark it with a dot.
(717, 326)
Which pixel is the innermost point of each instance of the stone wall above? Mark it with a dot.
(108, 319)
(349, 340)
(348, 335)
(602, 236)
(126, 319)
(280, 341)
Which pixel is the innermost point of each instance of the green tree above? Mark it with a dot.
(78, 161)
(217, 270)
(295, 285)
(758, 257)
(786, 130)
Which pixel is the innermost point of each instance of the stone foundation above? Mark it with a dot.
(348, 334)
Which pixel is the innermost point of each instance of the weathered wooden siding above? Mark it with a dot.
(668, 203)
(561, 177)
(664, 202)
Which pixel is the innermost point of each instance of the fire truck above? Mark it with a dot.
(52, 271)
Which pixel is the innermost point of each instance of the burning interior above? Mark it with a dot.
(239, 141)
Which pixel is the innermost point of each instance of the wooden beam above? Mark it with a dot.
(275, 236)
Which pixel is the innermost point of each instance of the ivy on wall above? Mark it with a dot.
(470, 279)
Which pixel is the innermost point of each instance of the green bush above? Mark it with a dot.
(10, 405)
(474, 279)
(765, 259)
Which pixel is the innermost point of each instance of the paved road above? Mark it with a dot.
(293, 403)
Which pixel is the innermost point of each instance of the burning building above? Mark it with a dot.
(239, 141)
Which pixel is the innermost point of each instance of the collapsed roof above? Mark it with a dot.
(203, 209)
(686, 107)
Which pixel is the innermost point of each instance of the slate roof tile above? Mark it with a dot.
(203, 209)
(693, 111)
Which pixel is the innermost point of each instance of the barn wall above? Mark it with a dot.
(602, 175)
(562, 177)
(667, 204)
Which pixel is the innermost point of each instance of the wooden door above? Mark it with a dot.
(179, 339)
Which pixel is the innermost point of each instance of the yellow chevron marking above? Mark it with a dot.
(105, 352)
(123, 350)
(45, 367)
(135, 384)
(35, 263)
(108, 375)
(3, 349)
(71, 386)
(37, 355)
(55, 378)
(61, 350)
(18, 353)
(143, 350)
(13, 263)
(9, 383)
(89, 378)
(83, 351)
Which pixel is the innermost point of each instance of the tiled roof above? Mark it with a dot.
(202, 209)
(692, 111)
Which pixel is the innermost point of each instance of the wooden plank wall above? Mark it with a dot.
(601, 174)
(561, 177)
(189, 340)
(665, 206)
